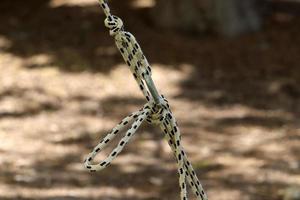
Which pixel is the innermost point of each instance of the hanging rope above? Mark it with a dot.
(155, 111)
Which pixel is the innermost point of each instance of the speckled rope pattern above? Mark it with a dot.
(152, 112)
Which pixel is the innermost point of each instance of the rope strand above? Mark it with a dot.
(156, 111)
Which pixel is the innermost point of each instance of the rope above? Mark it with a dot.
(156, 111)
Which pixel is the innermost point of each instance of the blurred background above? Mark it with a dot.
(230, 70)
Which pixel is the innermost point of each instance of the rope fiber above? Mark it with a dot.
(156, 111)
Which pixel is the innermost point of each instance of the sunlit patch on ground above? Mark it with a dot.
(143, 3)
(58, 3)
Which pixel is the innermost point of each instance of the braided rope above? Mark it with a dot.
(156, 110)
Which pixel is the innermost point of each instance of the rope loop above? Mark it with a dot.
(135, 119)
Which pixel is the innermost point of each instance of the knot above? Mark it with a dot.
(159, 113)
(114, 23)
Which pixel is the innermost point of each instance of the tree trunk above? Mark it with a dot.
(228, 17)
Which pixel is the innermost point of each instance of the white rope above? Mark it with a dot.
(155, 111)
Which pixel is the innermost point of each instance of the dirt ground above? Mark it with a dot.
(64, 86)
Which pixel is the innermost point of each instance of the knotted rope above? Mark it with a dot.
(156, 110)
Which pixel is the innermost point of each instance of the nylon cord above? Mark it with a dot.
(156, 111)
